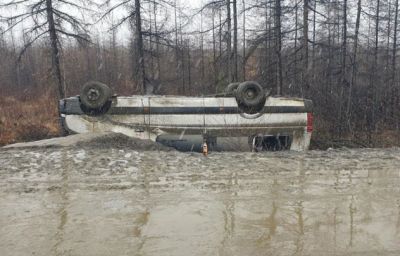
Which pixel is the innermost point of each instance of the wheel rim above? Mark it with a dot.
(93, 94)
(250, 94)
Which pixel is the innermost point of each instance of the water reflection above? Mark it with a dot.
(228, 211)
(398, 218)
(344, 202)
(63, 204)
(271, 224)
(300, 231)
(352, 211)
(141, 219)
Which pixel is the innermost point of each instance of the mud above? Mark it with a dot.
(93, 140)
(118, 201)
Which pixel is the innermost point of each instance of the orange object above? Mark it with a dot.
(205, 149)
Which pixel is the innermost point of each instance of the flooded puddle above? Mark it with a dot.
(91, 201)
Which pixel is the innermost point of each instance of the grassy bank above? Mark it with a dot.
(325, 137)
(27, 119)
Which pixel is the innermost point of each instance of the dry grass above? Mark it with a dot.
(29, 119)
(324, 137)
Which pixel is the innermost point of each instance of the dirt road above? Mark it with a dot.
(117, 201)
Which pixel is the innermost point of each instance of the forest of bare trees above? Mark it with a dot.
(342, 54)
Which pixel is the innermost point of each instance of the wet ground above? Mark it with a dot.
(109, 201)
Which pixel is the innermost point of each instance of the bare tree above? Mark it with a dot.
(52, 18)
(305, 46)
(354, 65)
(393, 90)
(229, 41)
(278, 46)
(244, 41)
(141, 34)
(371, 114)
(140, 69)
(157, 42)
(235, 41)
(343, 82)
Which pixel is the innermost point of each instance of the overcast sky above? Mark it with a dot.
(102, 28)
(254, 19)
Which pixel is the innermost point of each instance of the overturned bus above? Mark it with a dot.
(244, 117)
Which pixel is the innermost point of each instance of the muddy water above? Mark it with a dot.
(122, 202)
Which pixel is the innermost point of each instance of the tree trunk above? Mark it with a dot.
(371, 115)
(115, 67)
(229, 42)
(158, 76)
(182, 59)
(140, 69)
(389, 29)
(16, 74)
(220, 34)
(328, 73)
(344, 44)
(343, 69)
(178, 64)
(54, 49)
(189, 67)
(265, 66)
(152, 71)
(354, 67)
(202, 54)
(305, 48)
(278, 46)
(296, 36)
(214, 49)
(394, 58)
(235, 42)
(244, 42)
(314, 36)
